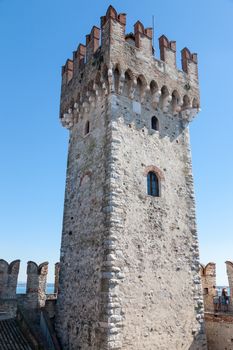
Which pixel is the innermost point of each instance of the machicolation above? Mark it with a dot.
(87, 76)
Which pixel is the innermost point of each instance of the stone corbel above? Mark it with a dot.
(146, 89)
(97, 91)
(155, 98)
(67, 120)
(177, 108)
(76, 111)
(111, 80)
(76, 107)
(104, 87)
(85, 106)
(188, 114)
(133, 89)
(92, 100)
(121, 83)
(166, 102)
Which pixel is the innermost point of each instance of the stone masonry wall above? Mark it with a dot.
(229, 266)
(156, 237)
(8, 283)
(208, 280)
(219, 331)
(35, 296)
(79, 307)
(8, 278)
(129, 270)
(219, 323)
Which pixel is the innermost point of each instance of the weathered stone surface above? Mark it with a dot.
(218, 319)
(36, 285)
(229, 266)
(219, 331)
(129, 276)
(208, 280)
(8, 283)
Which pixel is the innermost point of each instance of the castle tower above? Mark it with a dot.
(129, 270)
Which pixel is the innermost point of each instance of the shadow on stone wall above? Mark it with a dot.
(200, 341)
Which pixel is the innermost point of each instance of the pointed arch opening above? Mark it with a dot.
(153, 87)
(138, 90)
(87, 128)
(141, 89)
(175, 102)
(195, 103)
(127, 83)
(104, 79)
(164, 98)
(154, 123)
(186, 102)
(116, 79)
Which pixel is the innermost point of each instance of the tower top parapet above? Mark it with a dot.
(187, 57)
(110, 47)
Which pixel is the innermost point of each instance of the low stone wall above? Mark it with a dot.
(7, 308)
(35, 296)
(219, 331)
(50, 305)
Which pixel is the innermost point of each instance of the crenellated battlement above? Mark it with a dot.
(218, 311)
(208, 280)
(189, 60)
(143, 37)
(36, 284)
(67, 71)
(8, 278)
(125, 62)
(35, 296)
(112, 14)
(167, 51)
(92, 42)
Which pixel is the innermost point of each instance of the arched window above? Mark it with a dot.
(87, 128)
(152, 184)
(154, 123)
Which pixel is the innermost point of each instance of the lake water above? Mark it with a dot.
(220, 288)
(21, 288)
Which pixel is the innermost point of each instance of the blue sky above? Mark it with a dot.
(36, 39)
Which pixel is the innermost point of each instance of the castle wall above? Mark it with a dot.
(156, 246)
(8, 282)
(219, 322)
(208, 280)
(7, 308)
(35, 296)
(219, 331)
(79, 308)
(229, 267)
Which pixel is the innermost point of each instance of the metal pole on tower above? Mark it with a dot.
(153, 26)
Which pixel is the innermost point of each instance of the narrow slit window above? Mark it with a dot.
(87, 128)
(154, 123)
(152, 184)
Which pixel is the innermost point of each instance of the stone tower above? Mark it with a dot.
(129, 274)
